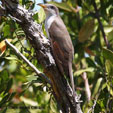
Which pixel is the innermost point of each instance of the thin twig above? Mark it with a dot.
(87, 88)
(95, 101)
(15, 19)
(92, 108)
(100, 24)
(40, 74)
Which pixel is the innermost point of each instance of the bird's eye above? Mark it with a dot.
(51, 7)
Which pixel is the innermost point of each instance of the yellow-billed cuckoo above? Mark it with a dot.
(61, 43)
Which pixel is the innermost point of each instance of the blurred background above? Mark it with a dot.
(90, 25)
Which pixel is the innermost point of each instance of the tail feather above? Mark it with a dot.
(71, 77)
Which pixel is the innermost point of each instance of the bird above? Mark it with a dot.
(61, 44)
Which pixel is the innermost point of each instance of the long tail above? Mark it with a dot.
(71, 77)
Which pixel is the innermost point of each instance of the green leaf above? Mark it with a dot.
(1, 26)
(23, 71)
(110, 37)
(63, 6)
(31, 78)
(36, 16)
(4, 100)
(108, 28)
(41, 15)
(86, 30)
(108, 54)
(28, 101)
(79, 72)
(4, 75)
(22, 2)
(11, 58)
(12, 66)
(109, 67)
(6, 30)
(110, 89)
(19, 32)
(97, 87)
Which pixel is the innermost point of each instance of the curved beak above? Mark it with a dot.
(42, 5)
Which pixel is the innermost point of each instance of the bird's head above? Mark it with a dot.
(50, 9)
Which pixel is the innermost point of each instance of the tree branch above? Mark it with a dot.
(40, 74)
(87, 88)
(61, 88)
(100, 24)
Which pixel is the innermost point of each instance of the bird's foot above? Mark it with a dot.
(77, 99)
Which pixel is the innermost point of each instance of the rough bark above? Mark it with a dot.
(61, 89)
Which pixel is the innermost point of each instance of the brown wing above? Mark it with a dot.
(61, 45)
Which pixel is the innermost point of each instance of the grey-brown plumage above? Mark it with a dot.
(62, 47)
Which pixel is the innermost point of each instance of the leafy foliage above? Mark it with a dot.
(19, 87)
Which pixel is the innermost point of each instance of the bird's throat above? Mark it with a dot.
(48, 22)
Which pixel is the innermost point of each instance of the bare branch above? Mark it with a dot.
(2, 10)
(87, 88)
(40, 74)
(100, 24)
(92, 108)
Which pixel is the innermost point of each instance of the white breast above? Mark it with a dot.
(48, 23)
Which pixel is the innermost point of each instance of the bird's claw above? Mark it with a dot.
(77, 99)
